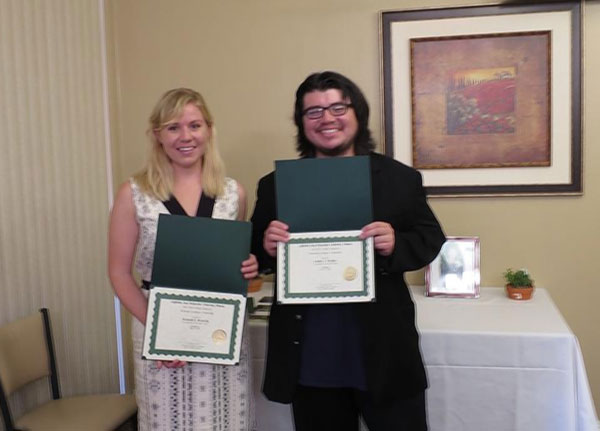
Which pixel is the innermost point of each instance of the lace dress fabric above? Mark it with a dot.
(196, 397)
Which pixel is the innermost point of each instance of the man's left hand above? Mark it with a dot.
(383, 235)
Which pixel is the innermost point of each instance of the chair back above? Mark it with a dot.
(24, 354)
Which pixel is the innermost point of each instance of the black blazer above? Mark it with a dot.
(394, 367)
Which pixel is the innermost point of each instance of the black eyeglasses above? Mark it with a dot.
(335, 109)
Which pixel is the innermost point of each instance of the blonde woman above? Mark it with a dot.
(184, 175)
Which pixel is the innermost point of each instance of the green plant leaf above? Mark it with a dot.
(519, 278)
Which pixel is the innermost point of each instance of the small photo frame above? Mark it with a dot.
(455, 271)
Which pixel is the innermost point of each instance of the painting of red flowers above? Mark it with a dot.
(481, 100)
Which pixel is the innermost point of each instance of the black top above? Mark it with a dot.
(205, 206)
(331, 348)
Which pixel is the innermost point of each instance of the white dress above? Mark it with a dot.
(196, 397)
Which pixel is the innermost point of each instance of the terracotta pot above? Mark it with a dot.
(255, 284)
(519, 293)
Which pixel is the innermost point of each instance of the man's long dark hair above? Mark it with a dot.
(322, 81)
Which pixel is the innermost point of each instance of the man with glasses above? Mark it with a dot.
(335, 362)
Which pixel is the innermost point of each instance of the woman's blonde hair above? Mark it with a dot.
(156, 178)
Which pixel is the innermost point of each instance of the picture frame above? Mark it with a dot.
(432, 58)
(455, 272)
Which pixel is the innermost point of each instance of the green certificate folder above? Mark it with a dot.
(201, 253)
(330, 194)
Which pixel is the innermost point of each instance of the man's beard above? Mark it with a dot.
(334, 152)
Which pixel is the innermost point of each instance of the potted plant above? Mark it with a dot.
(519, 284)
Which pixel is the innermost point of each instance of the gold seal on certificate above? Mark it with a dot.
(219, 336)
(350, 273)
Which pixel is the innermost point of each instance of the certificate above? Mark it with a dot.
(194, 326)
(325, 267)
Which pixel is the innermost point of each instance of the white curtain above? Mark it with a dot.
(53, 185)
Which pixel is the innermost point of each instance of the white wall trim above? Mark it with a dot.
(109, 180)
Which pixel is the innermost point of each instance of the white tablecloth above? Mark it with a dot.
(492, 364)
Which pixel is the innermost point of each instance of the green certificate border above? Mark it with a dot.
(158, 297)
(337, 238)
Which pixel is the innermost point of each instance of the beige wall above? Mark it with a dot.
(247, 58)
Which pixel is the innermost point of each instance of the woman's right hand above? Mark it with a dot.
(170, 364)
(276, 231)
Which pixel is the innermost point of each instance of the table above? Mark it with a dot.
(492, 364)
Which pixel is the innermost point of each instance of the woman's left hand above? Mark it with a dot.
(250, 267)
(384, 238)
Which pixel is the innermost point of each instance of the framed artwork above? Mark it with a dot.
(455, 271)
(485, 100)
